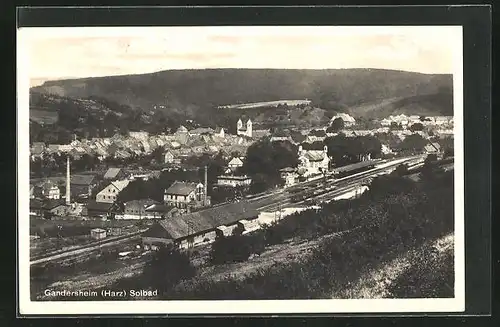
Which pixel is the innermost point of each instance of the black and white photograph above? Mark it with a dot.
(240, 169)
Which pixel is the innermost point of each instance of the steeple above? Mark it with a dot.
(249, 128)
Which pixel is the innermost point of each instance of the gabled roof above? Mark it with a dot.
(158, 207)
(281, 133)
(235, 162)
(201, 130)
(317, 132)
(49, 185)
(204, 220)
(99, 206)
(120, 185)
(112, 173)
(314, 146)
(432, 146)
(51, 204)
(181, 188)
(182, 129)
(82, 179)
(141, 202)
(314, 156)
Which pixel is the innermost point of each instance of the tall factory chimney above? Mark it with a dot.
(206, 187)
(68, 183)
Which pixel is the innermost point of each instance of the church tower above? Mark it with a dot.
(239, 126)
(249, 128)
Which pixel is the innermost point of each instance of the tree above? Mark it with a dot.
(167, 267)
(401, 170)
(417, 127)
(395, 126)
(263, 161)
(413, 143)
(337, 125)
(227, 249)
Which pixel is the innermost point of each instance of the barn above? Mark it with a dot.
(200, 227)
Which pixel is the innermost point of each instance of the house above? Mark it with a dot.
(289, 175)
(37, 150)
(235, 163)
(234, 180)
(100, 210)
(110, 192)
(432, 148)
(115, 174)
(55, 208)
(51, 191)
(240, 131)
(280, 135)
(317, 135)
(136, 209)
(185, 195)
(219, 131)
(201, 131)
(199, 227)
(98, 233)
(170, 158)
(82, 185)
(160, 211)
(313, 161)
(260, 133)
(139, 135)
(144, 175)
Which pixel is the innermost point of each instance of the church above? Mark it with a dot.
(242, 131)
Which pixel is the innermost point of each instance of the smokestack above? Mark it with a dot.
(205, 190)
(68, 193)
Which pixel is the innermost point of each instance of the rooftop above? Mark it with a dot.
(82, 179)
(112, 173)
(181, 188)
(189, 224)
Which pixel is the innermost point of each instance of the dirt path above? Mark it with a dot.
(376, 283)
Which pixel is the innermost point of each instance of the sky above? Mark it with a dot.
(62, 53)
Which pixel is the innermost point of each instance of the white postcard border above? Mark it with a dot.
(28, 307)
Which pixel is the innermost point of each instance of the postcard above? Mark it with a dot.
(240, 170)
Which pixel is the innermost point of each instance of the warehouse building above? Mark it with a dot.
(200, 227)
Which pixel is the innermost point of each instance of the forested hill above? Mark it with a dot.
(188, 91)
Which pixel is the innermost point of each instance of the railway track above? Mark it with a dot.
(342, 185)
(61, 255)
(266, 201)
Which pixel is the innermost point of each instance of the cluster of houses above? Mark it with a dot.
(406, 121)
(47, 197)
(182, 143)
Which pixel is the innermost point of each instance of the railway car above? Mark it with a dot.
(358, 167)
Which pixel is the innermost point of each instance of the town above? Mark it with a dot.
(140, 193)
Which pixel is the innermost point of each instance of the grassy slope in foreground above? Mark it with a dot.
(387, 227)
